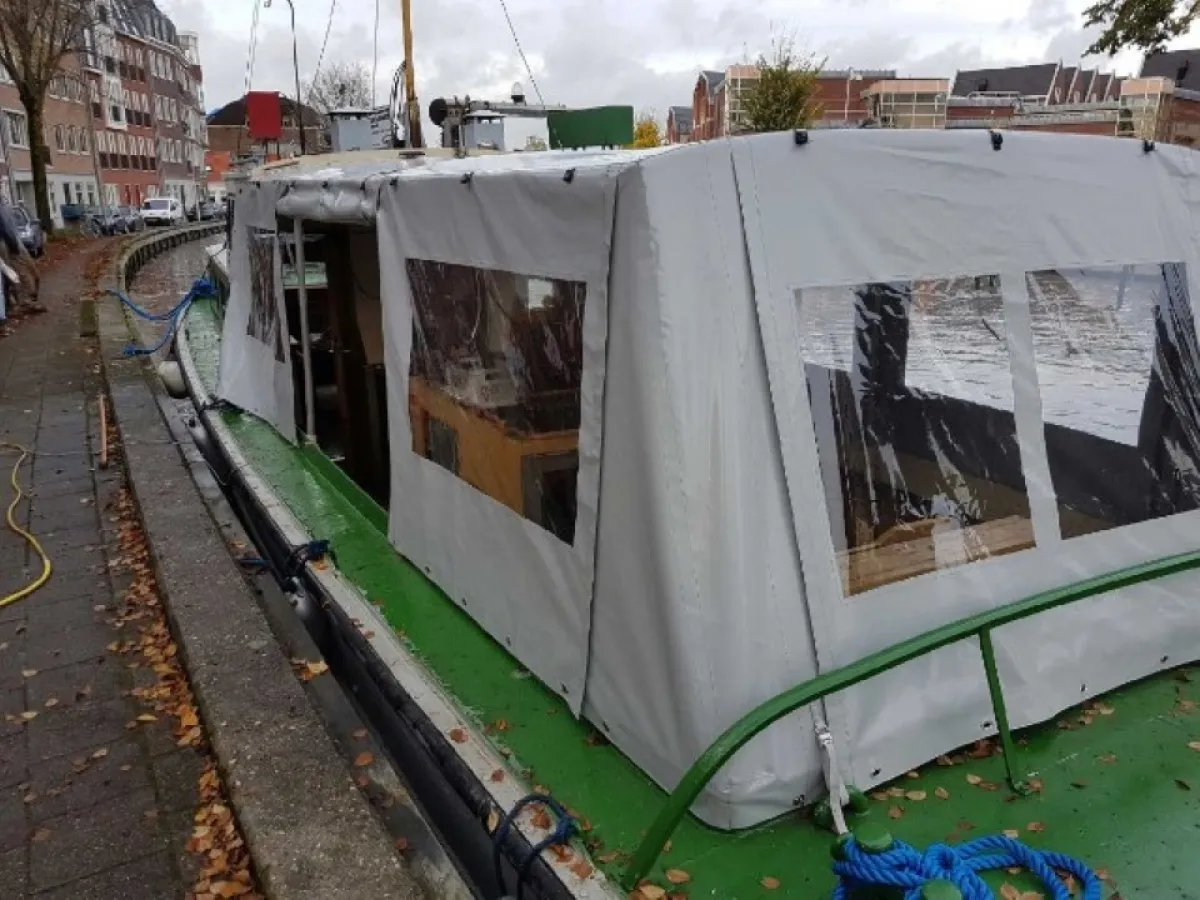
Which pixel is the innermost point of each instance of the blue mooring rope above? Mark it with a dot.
(563, 830)
(201, 287)
(906, 868)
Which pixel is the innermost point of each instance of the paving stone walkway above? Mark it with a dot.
(89, 807)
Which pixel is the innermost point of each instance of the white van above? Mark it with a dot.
(163, 211)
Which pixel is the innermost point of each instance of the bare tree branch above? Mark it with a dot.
(339, 86)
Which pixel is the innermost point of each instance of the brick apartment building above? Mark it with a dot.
(67, 143)
(228, 131)
(1162, 103)
(129, 108)
(843, 98)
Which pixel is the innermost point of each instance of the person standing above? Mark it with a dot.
(13, 248)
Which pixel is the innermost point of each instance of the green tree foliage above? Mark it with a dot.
(1144, 24)
(646, 132)
(783, 96)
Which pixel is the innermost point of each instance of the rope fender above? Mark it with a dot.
(903, 867)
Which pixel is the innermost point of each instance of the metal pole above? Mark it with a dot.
(1002, 727)
(310, 415)
(296, 67)
(413, 111)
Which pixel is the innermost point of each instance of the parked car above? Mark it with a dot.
(128, 220)
(207, 211)
(30, 231)
(163, 211)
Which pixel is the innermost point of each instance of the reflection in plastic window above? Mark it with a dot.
(497, 363)
(912, 401)
(1117, 369)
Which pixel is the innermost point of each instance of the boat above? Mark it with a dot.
(684, 511)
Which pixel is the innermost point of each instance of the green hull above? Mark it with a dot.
(1119, 786)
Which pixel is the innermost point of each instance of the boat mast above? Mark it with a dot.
(412, 110)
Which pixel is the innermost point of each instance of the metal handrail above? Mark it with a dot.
(980, 626)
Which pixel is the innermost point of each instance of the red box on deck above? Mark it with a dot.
(264, 116)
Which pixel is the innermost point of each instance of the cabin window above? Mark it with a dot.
(1117, 367)
(912, 400)
(497, 364)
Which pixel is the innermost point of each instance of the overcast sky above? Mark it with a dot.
(644, 53)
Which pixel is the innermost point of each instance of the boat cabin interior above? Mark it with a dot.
(494, 380)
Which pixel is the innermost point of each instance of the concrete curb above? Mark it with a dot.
(310, 833)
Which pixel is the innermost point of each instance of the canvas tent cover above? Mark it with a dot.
(799, 403)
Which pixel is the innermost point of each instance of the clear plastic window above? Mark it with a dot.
(263, 323)
(497, 363)
(1117, 369)
(911, 392)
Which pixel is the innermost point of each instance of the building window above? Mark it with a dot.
(60, 143)
(17, 128)
(84, 146)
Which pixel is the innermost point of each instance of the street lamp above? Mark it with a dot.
(296, 67)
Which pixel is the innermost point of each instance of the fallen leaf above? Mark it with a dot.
(498, 776)
(1194, 745)
(974, 779)
(895, 812)
(29, 798)
(493, 820)
(770, 883)
(896, 792)
(581, 869)
(458, 735)
(913, 775)
(607, 858)
(51, 703)
(1008, 892)
(500, 725)
(881, 796)
(1012, 833)
(401, 844)
(1035, 827)
(364, 759)
(1079, 785)
(1103, 874)
(42, 834)
(541, 819)
(916, 796)
(359, 733)
(229, 888)
(1108, 759)
(1183, 785)
(652, 891)
(101, 753)
(28, 673)
(147, 718)
(942, 794)
(29, 715)
(678, 876)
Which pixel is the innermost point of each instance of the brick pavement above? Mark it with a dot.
(88, 807)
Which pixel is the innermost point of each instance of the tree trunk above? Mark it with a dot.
(37, 162)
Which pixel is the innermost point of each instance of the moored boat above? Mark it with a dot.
(745, 472)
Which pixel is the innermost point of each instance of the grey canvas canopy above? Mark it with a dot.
(812, 400)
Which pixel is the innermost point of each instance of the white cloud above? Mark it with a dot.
(640, 52)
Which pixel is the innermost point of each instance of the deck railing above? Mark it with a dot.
(980, 626)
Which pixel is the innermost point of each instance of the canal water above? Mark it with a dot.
(166, 278)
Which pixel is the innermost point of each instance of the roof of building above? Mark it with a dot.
(1083, 83)
(712, 80)
(143, 19)
(1182, 66)
(682, 117)
(234, 113)
(1028, 81)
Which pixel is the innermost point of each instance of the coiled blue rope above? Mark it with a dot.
(201, 287)
(906, 868)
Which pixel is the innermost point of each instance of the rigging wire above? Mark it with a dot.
(375, 55)
(516, 40)
(249, 69)
(324, 43)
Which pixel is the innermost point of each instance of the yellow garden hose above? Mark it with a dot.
(18, 495)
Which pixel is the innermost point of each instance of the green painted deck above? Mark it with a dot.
(1119, 784)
